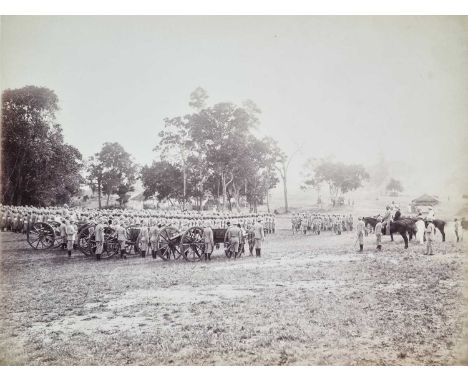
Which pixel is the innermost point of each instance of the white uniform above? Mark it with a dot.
(420, 227)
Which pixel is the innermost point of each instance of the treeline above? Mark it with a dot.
(213, 154)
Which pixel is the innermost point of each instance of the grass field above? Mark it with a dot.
(308, 300)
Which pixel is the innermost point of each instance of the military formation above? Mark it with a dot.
(309, 222)
(242, 228)
(18, 218)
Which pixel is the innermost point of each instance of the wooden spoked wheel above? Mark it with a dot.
(111, 244)
(192, 244)
(132, 232)
(169, 243)
(41, 236)
(85, 235)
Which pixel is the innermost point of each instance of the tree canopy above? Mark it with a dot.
(162, 179)
(38, 167)
(394, 186)
(341, 178)
(112, 171)
(217, 153)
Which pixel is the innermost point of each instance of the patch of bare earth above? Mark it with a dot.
(308, 300)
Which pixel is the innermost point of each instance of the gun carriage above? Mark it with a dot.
(171, 242)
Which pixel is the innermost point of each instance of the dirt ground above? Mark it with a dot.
(309, 300)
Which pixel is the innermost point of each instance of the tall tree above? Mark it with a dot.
(340, 178)
(282, 161)
(38, 167)
(113, 170)
(217, 152)
(162, 179)
(221, 132)
(394, 186)
(175, 145)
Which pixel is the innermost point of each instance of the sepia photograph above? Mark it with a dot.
(234, 190)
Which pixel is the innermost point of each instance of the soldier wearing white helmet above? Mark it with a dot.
(153, 237)
(378, 233)
(70, 232)
(208, 241)
(99, 238)
(143, 238)
(259, 235)
(430, 233)
(121, 238)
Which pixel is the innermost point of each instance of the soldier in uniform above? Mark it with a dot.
(121, 238)
(99, 238)
(378, 233)
(457, 228)
(430, 233)
(63, 233)
(234, 237)
(250, 238)
(208, 241)
(360, 233)
(143, 238)
(304, 225)
(70, 232)
(259, 237)
(154, 232)
(318, 224)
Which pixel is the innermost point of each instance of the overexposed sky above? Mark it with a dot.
(343, 86)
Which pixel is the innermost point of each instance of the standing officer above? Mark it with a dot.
(208, 240)
(378, 233)
(234, 236)
(430, 233)
(360, 233)
(70, 232)
(457, 228)
(154, 232)
(143, 238)
(259, 237)
(99, 237)
(121, 238)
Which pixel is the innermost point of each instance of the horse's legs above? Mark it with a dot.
(391, 236)
(442, 231)
(405, 238)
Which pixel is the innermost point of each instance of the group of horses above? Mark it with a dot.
(405, 226)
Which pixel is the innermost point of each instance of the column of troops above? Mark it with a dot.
(305, 222)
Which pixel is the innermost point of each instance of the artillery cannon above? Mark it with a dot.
(172, 244)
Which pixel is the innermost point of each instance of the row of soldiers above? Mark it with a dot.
(245, 227)
(19, 218)
(318, 222)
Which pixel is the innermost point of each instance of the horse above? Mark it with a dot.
(404, 226)
(440, 225)
(410, 223)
